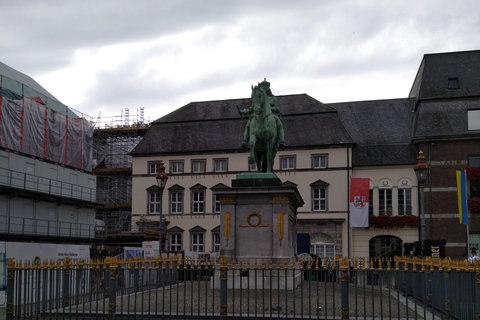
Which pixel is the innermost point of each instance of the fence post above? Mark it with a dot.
(10, 289)
(344, 265)
(106, 277)
(477, 290)
(67, 266)
(447, 270)
(223, 287)
(113, 289)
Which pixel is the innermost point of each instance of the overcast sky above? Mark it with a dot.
(105, 56)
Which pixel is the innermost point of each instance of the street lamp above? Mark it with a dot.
(161, 182)
(421, 170)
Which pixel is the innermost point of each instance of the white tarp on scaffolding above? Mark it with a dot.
(30, 127)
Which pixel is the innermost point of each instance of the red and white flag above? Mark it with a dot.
(359, 192)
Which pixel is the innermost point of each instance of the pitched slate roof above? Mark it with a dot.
(216, 126)
(381, 130)
(442, 112)
(445, 119)
(432, 79)
(226, 109)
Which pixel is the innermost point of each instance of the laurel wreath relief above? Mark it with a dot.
(251, 224)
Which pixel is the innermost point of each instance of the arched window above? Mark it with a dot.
(322, 245)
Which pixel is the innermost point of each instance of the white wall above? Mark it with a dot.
(336, 175)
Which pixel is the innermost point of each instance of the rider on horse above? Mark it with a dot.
(265, 86)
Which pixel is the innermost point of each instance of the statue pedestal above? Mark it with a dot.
(259, 223)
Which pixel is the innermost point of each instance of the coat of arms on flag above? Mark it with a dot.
(359, 201)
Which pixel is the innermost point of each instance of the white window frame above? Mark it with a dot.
(405, 201)
(216, 204)
(199, 166)
(370, 203)
(198, 201)
(153, 167)
(220, 165)
(154, 202)
(176, 202)
(319, 161)
(175, 241)
(216, 241)
(198, 241)
(176, 166)
(385, 201)
(287, 163)
(318, 200)
(324, 250)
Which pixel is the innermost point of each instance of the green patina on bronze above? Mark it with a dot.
(264, 130)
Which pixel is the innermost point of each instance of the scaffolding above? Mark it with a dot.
(113, 139)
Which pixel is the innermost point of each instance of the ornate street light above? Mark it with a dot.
(162, 178)
(421, 170)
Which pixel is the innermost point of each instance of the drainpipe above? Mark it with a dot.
(348, 202)
(430, 191)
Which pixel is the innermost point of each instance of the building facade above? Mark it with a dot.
(447, 128)
(325, 146)
(47, 190)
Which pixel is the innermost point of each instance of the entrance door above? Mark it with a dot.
(385, 247)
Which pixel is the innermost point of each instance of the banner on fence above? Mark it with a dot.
(45, 251)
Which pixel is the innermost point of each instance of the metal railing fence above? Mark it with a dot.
(35, 183)
(21, 226)
(405, 288)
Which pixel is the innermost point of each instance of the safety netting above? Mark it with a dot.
(30, 127)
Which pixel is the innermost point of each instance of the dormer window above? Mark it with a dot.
(473, 119)
(453, 83)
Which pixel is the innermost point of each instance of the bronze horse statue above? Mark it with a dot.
(262, 130)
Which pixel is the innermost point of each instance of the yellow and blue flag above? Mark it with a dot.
(462, 196)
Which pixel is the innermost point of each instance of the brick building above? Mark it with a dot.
(447, 129)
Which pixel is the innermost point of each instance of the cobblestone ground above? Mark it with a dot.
(310, 299)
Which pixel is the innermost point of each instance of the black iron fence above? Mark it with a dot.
(405, 288)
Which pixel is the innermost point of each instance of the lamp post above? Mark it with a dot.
(421, 170)
(162, 178)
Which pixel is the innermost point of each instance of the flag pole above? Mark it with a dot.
(468, 228)
(468, 238)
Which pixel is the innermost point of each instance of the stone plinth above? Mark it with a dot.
(258, 220)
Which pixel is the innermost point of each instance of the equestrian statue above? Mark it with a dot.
(264, 130)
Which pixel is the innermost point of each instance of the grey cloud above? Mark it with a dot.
(310, 41)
